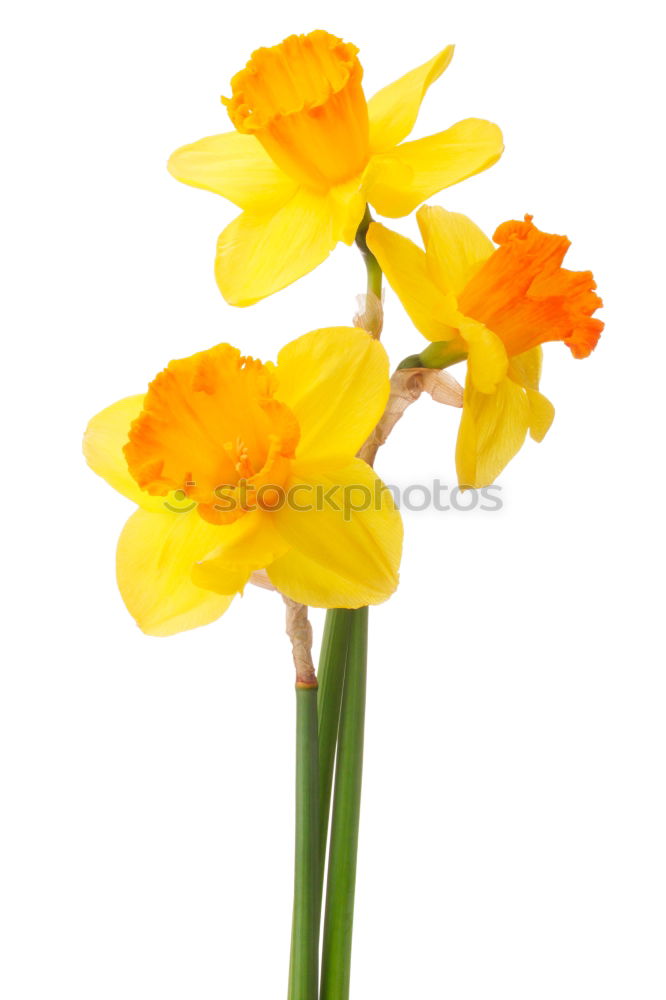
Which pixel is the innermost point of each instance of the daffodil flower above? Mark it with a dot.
(309, 151)
(493, 306)
(237, 466)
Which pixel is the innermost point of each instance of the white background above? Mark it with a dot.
(513, 823)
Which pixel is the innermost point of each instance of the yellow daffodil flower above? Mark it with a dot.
(494, 307)
(309, 151)
(237, 466)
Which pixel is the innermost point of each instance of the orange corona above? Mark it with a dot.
(304, 102)
(527, 298)
(211, 427)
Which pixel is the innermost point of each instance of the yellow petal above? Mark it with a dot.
(260, 253)
(393, 111)
(487, 363)
(405, 267)
(525, 368)
(542, 413)
(156, 553)
(455, 246)
(397, 182)
(493, 428)
(235, 166)
(249, 544)
(336, 382)
(345, 557)
(103, 443)
(348, 205)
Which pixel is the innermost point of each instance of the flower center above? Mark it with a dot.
(211, 427)
(304, 102)
(526, 297)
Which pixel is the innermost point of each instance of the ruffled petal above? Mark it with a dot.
(235, 166)
(156, 553)
(342, 556)
(394, 109)
(103, 443)
(397, 182)
(524, 294)
(406, 270)
(261, 253)
(336, 382)
(455, 246)
(249, 544)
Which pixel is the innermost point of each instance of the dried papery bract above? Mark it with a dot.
(370, 314)
(260, 578)
(407, 385)
(299, 630)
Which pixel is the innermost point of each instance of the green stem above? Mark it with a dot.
(374, 275)
(439, 354)
(304, 967)
(331, 675)
(339, 915)
(343, 671)
(371, 263)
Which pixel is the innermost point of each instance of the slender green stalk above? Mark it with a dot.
(374, 274)
(439, 354)
(371, 262)
(331, 675)
(341, 885)
(304, 967)
(341, 720)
